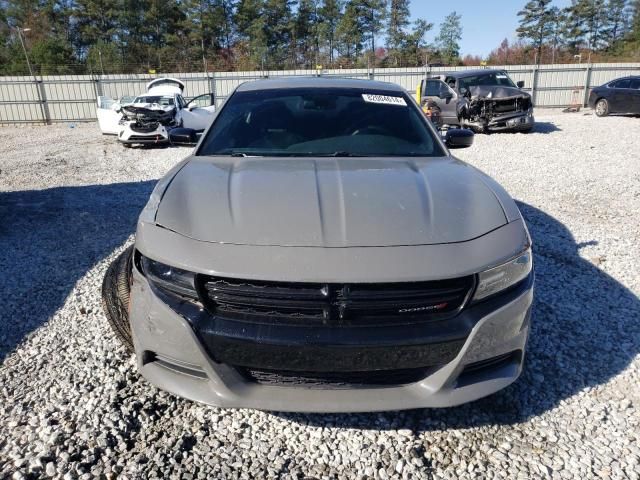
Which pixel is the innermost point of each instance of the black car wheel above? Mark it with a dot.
(602, 108)
(116, 288)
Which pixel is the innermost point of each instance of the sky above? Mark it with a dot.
(484, 23)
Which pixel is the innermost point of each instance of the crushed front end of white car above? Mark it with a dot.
(146, 124)
(148, 118)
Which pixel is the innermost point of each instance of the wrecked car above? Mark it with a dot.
(108, 113)
(149, 118)
(482, 100)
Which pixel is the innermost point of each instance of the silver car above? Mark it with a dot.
(323, 251)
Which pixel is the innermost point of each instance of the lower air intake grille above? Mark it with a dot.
(145, 138)
(335, 380)
(334, 304)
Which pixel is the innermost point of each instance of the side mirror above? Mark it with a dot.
(458, 138)
(191, 106)
(520, 84)
(183, 136)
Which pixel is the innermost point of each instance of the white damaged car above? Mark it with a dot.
(149, 117)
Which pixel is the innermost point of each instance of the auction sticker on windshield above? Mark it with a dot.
(384, 99)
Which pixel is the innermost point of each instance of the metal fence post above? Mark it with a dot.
(44, 105)
(212, 82)
(371, 74)
(534, 83)
(587, 85)
(98, 86)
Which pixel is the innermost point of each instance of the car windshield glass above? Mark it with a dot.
(486, 79)
(157, 99)
(320, 122)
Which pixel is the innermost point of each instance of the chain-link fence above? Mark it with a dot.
(72, 98)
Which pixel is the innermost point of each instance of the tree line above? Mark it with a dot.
(123, 36)
(585, 31)
(113, 36)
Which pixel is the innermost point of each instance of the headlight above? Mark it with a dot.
(170, 278)
(504, 276)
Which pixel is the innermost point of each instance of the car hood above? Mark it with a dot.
(496, 92)
(345, 202)
(146, 108)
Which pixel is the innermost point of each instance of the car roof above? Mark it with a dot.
(317, 82)
(468, 73)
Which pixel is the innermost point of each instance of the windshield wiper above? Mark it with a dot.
(344, 154)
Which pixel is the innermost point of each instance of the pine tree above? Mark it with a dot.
(227, 7)
(586, 23)
(161, 22)
(207, 26)
(96, 20)
(399, 20)
(449, 37)
(555, 33)
(415, 42)
(634, 30)
(278, 28)
(371, 17)
(349, 32)
(249, 22)
(536, 24)
(132, 41)
(330, 13)
(306, 39)
(5, 35)
(617, 20)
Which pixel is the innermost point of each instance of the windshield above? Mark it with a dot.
(158, 99)
(486, 79)
(320, 122)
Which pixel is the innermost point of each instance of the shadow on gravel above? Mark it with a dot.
(585, 330)
(545, 127)
(49, 239)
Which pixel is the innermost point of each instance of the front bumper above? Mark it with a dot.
(524, 121)
(511, 122)
(157, 137)
(173, 353)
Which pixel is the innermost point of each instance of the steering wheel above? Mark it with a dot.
(371, 130)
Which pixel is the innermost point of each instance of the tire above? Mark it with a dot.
(116, 288)
(602, 108)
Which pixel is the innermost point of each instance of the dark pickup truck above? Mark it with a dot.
(482, 100)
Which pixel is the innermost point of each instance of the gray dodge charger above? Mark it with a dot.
(321, 250)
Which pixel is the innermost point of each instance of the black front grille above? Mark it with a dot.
(334, 304)
(511, 105)
(144, 127)
(145, 138)
(334, 380)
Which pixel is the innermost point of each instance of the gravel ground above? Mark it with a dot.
(72, 404)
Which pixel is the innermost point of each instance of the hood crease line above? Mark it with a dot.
(343, 207)
(319, 200)
(229, 194)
